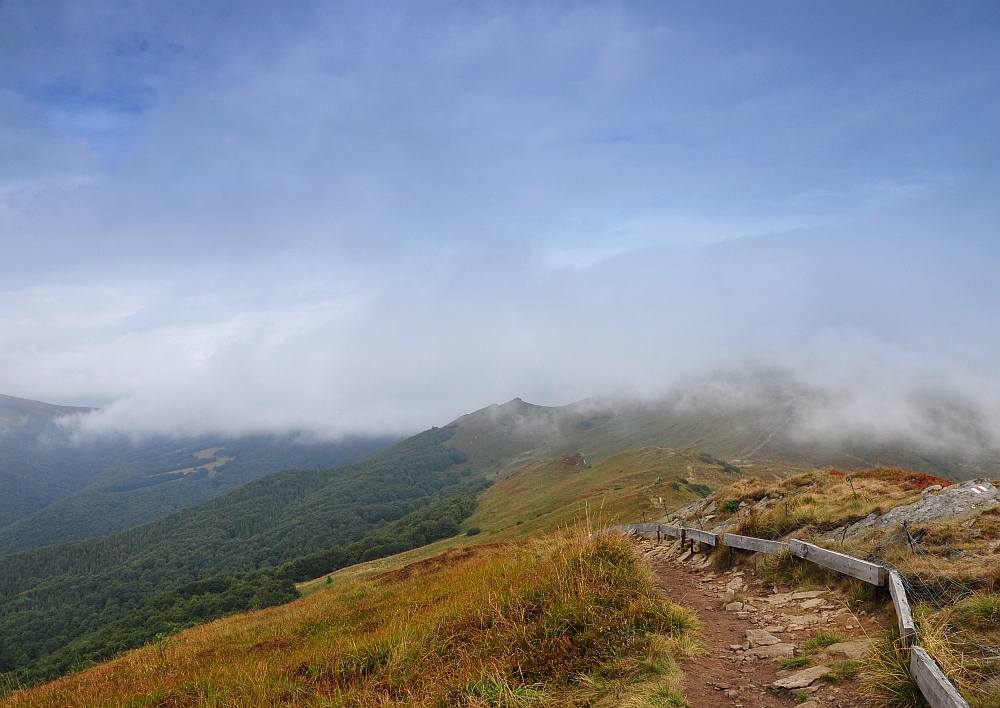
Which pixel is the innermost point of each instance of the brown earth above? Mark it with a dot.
(722, 676)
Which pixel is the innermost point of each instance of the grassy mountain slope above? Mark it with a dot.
(267, 525)
(15, 412)
(542, 497)
(560, 494)
(752, 435)
(53, 595)
(634, 484)
(555, 623)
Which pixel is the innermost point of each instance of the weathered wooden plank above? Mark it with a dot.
(644, 529)
(750, 543)
(667, 530)
(702, 536)
(907, 629)
(937, 689)
(848, 565)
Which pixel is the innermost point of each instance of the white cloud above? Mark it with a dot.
(367, 217)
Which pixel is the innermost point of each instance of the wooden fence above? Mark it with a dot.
(934, 685)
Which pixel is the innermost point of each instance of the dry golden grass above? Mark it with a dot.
(811, 506)
(552, 622)
(819, 501)
(885, 675)
(964, 640)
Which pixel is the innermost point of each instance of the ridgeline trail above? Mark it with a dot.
(739, 666)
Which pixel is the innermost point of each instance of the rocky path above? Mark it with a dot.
(748, 629)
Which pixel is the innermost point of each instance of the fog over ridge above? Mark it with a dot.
(374, 217)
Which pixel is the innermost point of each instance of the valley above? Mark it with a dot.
(59, 485)
(485, 484)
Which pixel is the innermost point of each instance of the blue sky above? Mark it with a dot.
(375, 216)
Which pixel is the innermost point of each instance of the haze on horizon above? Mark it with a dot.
(374, 217)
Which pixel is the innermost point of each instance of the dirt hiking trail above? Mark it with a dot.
(748, 629)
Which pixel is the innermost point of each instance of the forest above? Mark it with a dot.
(58, 489)
(225, 594)
(52, 596)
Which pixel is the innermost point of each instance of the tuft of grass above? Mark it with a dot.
(555, 622)
(496, 691)
(885, 675)
(795, 662)
(842, 671)
(784, 568)
(821, 640)
(978, 613)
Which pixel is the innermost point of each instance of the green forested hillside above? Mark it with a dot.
(113, 484)
(229, 593)
(50, 596)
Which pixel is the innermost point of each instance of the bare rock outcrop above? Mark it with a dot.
(956, 501)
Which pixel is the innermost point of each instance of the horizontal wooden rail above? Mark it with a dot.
(674, 531)
(848, 565)
(937, 689)
(749, 543)
(702, 536)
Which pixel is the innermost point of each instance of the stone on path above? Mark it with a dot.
(801, 679)
(734, 607)
(761, 638)
(852, 650)
(807, 594)
(802, 619)
(810, 604)
(773, 651)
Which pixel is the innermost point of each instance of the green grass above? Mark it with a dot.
(821, 640)
(548, 494)
(795, 662)
(842, 671)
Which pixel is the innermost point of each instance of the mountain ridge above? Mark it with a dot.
(501, 437)
(15, 412)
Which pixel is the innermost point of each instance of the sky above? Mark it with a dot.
(369, 217)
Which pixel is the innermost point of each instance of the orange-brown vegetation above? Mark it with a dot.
(903, 479)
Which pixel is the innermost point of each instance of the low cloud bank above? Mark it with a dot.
(883, 333)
